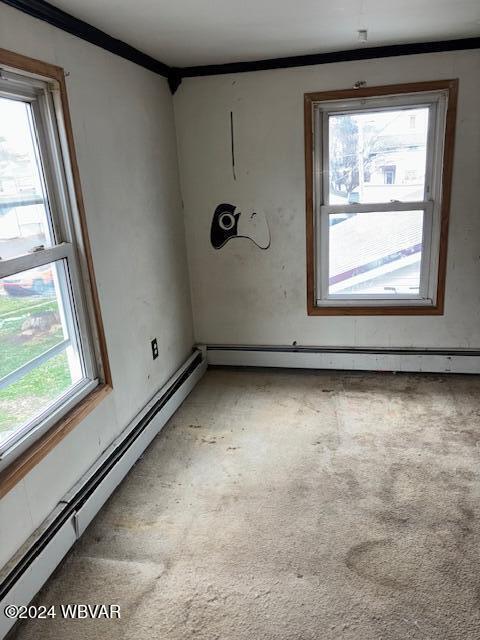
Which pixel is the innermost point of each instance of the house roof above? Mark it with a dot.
(360, 242)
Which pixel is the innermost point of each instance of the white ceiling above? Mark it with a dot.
(193, 32)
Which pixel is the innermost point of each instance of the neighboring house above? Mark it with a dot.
(398, 171)
(22, 211)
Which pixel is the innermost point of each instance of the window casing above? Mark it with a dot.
(373, 250)
(41, 283)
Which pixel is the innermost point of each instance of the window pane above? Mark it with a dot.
(30, 318)
(378, 156)
(35, 318)
(375, 253)
(23, 202)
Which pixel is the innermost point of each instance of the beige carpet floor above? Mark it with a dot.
(291, 506)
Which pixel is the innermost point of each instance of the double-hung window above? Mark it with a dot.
(378, 167)
(47, 359)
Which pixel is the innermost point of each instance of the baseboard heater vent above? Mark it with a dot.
(360, 359)
(25, 574)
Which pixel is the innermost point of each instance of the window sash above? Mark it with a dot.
(77, 332)
(396, 205)
(50, 139)
(426, 295)
(12, 266)
(436, 103)
(374, 105)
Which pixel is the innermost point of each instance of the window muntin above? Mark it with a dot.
(380, 156)
(47, 360)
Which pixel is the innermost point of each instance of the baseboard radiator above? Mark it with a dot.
(361, 359)
(25, 574)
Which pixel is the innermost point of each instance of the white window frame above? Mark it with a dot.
(436, 101)
(46, 109)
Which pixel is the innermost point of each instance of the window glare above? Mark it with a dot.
(24, 212)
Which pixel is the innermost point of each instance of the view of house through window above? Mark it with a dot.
(378, 199)
(44, 360)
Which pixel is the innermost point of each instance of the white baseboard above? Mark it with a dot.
(41, 568)
(24, 575)
(409, 360)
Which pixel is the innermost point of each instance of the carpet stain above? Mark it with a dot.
(337, 506)
(371, 561)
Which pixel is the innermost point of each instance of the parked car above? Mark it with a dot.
(37, 282)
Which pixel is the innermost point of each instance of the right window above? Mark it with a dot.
(377, 204)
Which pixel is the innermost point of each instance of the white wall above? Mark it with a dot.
(242, 295)
(124, 132)
(125, 137)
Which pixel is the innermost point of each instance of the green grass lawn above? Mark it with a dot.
(18, 349)
(18, 345)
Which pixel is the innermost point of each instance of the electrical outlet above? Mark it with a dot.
(154, 349)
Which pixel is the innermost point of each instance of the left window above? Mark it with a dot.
(47, 360)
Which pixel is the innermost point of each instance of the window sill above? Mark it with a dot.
(27, 460)
(394, 310)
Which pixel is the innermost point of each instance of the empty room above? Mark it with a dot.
(239, 320)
